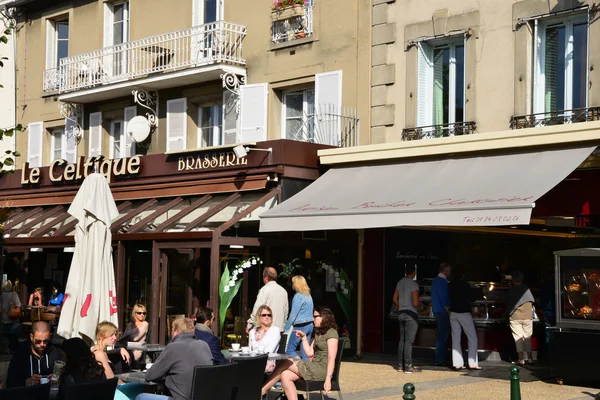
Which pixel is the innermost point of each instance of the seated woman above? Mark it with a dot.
(57, 297)
(137, 329)
(265, 335)
(36, 298)
(81, 366)
(323, 349)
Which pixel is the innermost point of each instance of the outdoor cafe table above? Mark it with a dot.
(134, 377)
(153, 349)
(232, 355)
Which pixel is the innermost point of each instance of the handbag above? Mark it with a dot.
(14, 312)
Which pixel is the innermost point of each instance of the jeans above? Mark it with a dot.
(295, 340)
(443, 329)
(150, 396)
(408, 332)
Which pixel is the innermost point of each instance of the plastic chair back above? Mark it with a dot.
(95, 390)
(35, 392)
(214, 382)
(250, 376)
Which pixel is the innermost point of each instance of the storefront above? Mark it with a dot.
(183, 218)
(468, 200)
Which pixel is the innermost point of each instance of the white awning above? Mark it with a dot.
(469, 191)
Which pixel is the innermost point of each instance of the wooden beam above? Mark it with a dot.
(164, 236)
(37, 220)
(14, 213)
(212, 211)
(141, 224)
(164, 274)
(22, 217)
(117, 224)
(42, 230)
(215, 276)
(173, 220)
(120, 281)
(241, 215)
(68, 227)
(155, 302)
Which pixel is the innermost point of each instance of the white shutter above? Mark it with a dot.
(34, 146)
(197, 12)
(328, 104)
(50, 44)
(253, 118)
(70, 142)
(95, 136)
(176, 124)
(425, 85)
(109, 19)
(539, 43)
(230, 118)
(129, 113)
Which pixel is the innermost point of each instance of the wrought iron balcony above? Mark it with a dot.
(437, 131)
(213, 43)
(292, 23)
(555, 118)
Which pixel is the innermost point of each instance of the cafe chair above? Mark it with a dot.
(313, 386)
(119, 365)
(250, 376)
(96, 390)
(214, 382)
(282, 344)
(34, 392)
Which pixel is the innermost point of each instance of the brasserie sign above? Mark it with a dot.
(210, 161)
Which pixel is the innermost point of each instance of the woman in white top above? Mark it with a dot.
(265, 335)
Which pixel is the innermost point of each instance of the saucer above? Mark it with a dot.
(234, 350)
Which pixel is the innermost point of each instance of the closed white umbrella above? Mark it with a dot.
(90, 295)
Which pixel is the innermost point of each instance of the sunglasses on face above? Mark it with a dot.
(265, 315)
(140, 312)
(38, 341)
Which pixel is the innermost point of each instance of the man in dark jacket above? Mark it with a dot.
(34, 362)
(204, 320)
(176, 363)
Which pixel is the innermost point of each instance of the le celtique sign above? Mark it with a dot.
(62, 171)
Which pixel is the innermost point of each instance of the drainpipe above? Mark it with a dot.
(359, 300)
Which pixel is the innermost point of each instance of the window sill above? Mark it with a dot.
(292, 43)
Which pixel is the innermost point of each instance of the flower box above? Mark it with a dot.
(287, 13)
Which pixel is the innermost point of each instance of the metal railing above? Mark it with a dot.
(215, 42)
(441, 130)
(329, 126)
(558, 117)
(298, 27)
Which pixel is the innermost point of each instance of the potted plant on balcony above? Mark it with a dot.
(286, 9)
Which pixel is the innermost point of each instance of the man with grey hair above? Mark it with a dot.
(440, 300)
(274, 296)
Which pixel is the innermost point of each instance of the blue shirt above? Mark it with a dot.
(439, 294)
(58, 301)
(302, 311)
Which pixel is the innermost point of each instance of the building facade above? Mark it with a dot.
(7, 90)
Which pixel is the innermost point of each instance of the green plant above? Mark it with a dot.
(279, 5)
(343, 289)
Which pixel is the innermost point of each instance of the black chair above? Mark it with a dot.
(313, 386)
(213, 382)
(282, 344)
(96, 390)
(250, 375)
(35, 392)
(119, 366)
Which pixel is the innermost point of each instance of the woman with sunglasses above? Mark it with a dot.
(137, 328)
(323, 349)
(265, 335)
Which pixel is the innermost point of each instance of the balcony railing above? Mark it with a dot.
(437, 131)
(292, 24)
(555, 118)
(216, 42)
(328, 126)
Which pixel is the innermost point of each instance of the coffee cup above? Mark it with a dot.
(245, 349)
(235, 346)
(261, 349)
(43, 381)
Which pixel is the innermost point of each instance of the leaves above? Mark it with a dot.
(4, 39)
(344, 298)
(226, 297)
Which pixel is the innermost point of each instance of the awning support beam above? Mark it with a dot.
(213, 211)
(69, 226)
(127, 217)
(42, 230)
(157, 213)
(243, 214)
(37, 220)
(22, 217)
(175, 218)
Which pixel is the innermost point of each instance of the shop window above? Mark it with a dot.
(299, 113)
(210, 125)
(441, 82)
(560, 64)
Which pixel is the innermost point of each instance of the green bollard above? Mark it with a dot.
(515, 383)
(409, 392)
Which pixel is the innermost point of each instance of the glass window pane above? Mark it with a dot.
(580, 65)
(118, 11)
(294, 104)
(293, 129)
(310, 102)
(62, 50)
(57, 144)
(210, 11)
(554, 69)
(62, 30)
(441, 85)
(460, 84)
(118, 32)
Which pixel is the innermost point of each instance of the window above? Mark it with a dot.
(63, 146)
(118, 147)
(58, 137)
(206, 11)
(561, 59)
(116, 31)
(441, 83)
(299, 113)
(210, 125)
(57, 42)
(120, 23)
(62, 41)
(293, 24)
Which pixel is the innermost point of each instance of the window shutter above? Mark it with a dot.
(70, 142)
(253, 119)
(230, 118)
(50, 44)
(34, 147)
(129, 113)
(95, 136)
(176, 124)
(328, 105)
(109, 19)
(197, 12)
(425, 85)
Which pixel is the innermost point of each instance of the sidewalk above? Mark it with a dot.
(374, 377)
